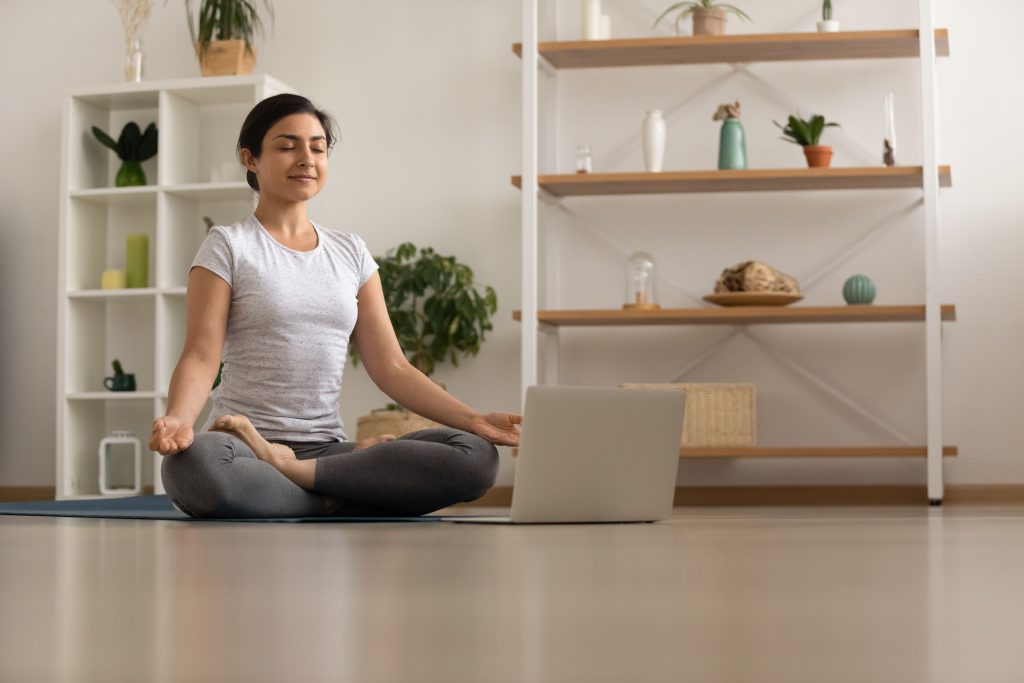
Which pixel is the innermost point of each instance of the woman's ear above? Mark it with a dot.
(248, 160)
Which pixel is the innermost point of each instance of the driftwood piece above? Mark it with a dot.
(755, 276)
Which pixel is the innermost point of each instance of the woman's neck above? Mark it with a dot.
(289, 220)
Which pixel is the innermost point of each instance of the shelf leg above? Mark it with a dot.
(528, 197)
(933, 313)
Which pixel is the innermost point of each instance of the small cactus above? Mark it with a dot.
(859, 289)
(118, 370)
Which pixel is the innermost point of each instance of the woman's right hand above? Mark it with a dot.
(170, 435)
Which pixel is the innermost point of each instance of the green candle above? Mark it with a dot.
(137, 260)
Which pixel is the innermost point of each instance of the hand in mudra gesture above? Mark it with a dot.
(501, 429)
(170, 435)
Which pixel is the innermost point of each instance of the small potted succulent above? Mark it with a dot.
(827, 23)
(807, 134)
(132, 148)
(226, 32)
(709, 16)
(437, 313)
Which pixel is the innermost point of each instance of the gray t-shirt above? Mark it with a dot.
(288, 327)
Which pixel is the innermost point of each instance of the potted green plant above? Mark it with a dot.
(807, 134)
(827, 23)
(439, 313)
(226, 32)
(709, 16)
(132, 148)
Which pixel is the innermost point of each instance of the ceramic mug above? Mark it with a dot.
(125, 382)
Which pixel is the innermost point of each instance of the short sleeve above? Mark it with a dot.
(215, 255)
(367, 266)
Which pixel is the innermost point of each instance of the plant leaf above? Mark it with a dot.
(106, 140)
(148, 144)
(129, 141)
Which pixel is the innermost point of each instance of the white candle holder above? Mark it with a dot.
(105, 453)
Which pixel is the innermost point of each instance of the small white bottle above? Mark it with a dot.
(584, 160)
(654, 140)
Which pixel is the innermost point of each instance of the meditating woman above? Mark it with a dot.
(278, 298)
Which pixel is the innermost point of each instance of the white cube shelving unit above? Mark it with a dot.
(198, 121)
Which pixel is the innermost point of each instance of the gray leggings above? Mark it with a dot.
(219, 476)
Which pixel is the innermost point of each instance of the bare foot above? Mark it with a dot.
(239, 425)
(373, 441)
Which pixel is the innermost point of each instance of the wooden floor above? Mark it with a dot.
(716, 594)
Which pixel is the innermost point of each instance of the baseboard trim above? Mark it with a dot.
(695, 496)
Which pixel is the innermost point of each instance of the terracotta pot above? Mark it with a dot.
(709, 22)
(818, 156)
(226, 58)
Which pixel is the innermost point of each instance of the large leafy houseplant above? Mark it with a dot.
(132, 148)
(437, 310)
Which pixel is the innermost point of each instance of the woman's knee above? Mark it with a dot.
(481, 464)
(193, 477)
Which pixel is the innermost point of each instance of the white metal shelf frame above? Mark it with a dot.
(533, 64)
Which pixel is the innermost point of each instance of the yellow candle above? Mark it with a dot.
(114, 278)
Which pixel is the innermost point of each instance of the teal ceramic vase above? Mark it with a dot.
(732, 146)
(859, 289)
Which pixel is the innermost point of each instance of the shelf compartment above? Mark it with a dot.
(759, 180)
(815, 452)
(732, 49)
(90, 164)
(87, 423)
(182, 229)
(97, 236)
(98, 331)
(737, 315)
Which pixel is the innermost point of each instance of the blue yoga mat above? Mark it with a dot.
(160, 507)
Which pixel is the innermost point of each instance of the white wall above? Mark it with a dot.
(427, 98)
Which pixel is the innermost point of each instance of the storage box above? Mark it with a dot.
(718, 415)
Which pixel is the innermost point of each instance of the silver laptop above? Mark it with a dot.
(590, 454)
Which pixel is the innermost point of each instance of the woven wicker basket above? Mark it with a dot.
(716, 414)
(397, 422)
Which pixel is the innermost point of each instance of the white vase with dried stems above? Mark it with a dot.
(134, 16)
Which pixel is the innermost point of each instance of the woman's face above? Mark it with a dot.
(293, 162)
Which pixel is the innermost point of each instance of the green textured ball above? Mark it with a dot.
(859, 289)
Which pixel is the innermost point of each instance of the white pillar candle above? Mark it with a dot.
(606, 27)
(591, 19)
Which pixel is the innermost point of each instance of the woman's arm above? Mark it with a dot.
(207, 301)
(389, 369)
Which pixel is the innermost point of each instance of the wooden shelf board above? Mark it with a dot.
(758, 180)
(737, 315)
(733, 49)
(811, 452)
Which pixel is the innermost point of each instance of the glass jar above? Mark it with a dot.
(134, 61)
(641, 271)
(584, 160)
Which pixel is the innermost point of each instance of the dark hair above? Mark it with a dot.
(268, 112)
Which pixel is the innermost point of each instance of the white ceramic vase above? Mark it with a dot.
(828, 26)
(654, 140)
(591, 19)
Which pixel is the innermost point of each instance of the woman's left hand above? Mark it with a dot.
(501, 429)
